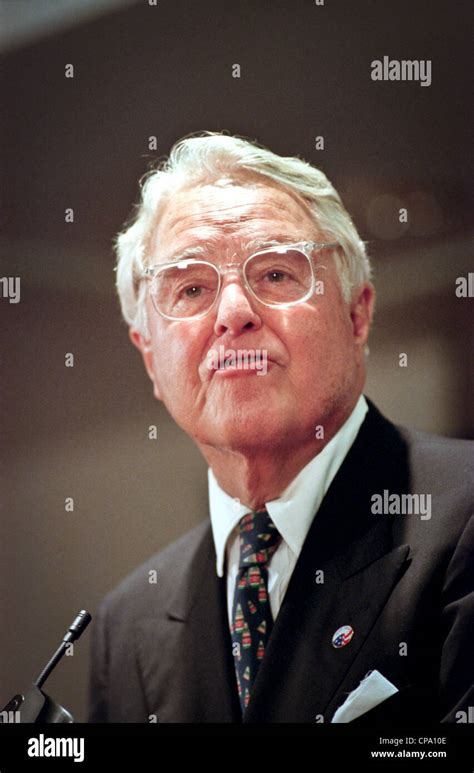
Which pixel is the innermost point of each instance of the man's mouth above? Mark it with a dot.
(236, 361)
(250, 363)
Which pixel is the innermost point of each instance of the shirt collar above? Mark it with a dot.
(294, 510)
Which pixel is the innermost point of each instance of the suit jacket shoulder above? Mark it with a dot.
(445, 463)
(442, 469)
(130, 598)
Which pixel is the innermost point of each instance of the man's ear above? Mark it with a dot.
(362, 310)
(145, 348)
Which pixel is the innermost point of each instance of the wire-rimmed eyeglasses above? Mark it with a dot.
(280, 276)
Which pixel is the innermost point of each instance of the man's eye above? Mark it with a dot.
(276, 276)
(193, 291)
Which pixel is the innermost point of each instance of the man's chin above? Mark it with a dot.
(241, 433)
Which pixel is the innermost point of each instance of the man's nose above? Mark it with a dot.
(235, 310)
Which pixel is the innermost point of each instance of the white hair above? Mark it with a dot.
(205, 158)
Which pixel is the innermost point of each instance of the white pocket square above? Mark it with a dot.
(373, 689)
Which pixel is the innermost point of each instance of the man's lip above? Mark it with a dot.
(233, 372)
(210, 371)
(268, 361)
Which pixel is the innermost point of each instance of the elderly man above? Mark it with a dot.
(331, 582)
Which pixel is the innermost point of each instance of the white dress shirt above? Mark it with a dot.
(292, 513)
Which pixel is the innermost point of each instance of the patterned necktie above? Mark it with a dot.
(252, 620)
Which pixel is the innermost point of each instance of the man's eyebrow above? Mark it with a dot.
(211, 245)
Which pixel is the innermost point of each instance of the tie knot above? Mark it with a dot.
(259, 538)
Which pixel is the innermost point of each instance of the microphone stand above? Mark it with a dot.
(36, 706)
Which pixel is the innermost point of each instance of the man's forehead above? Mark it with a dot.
(209, 209)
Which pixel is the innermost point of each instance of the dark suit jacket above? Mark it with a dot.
(404, 584)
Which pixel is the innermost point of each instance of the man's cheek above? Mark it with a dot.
(179, 368)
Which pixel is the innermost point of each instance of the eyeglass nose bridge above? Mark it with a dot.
(226, 268)
(229, 265)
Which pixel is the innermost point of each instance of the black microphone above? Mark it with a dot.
(36, 706)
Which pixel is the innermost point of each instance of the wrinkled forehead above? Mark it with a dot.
(231, 214)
